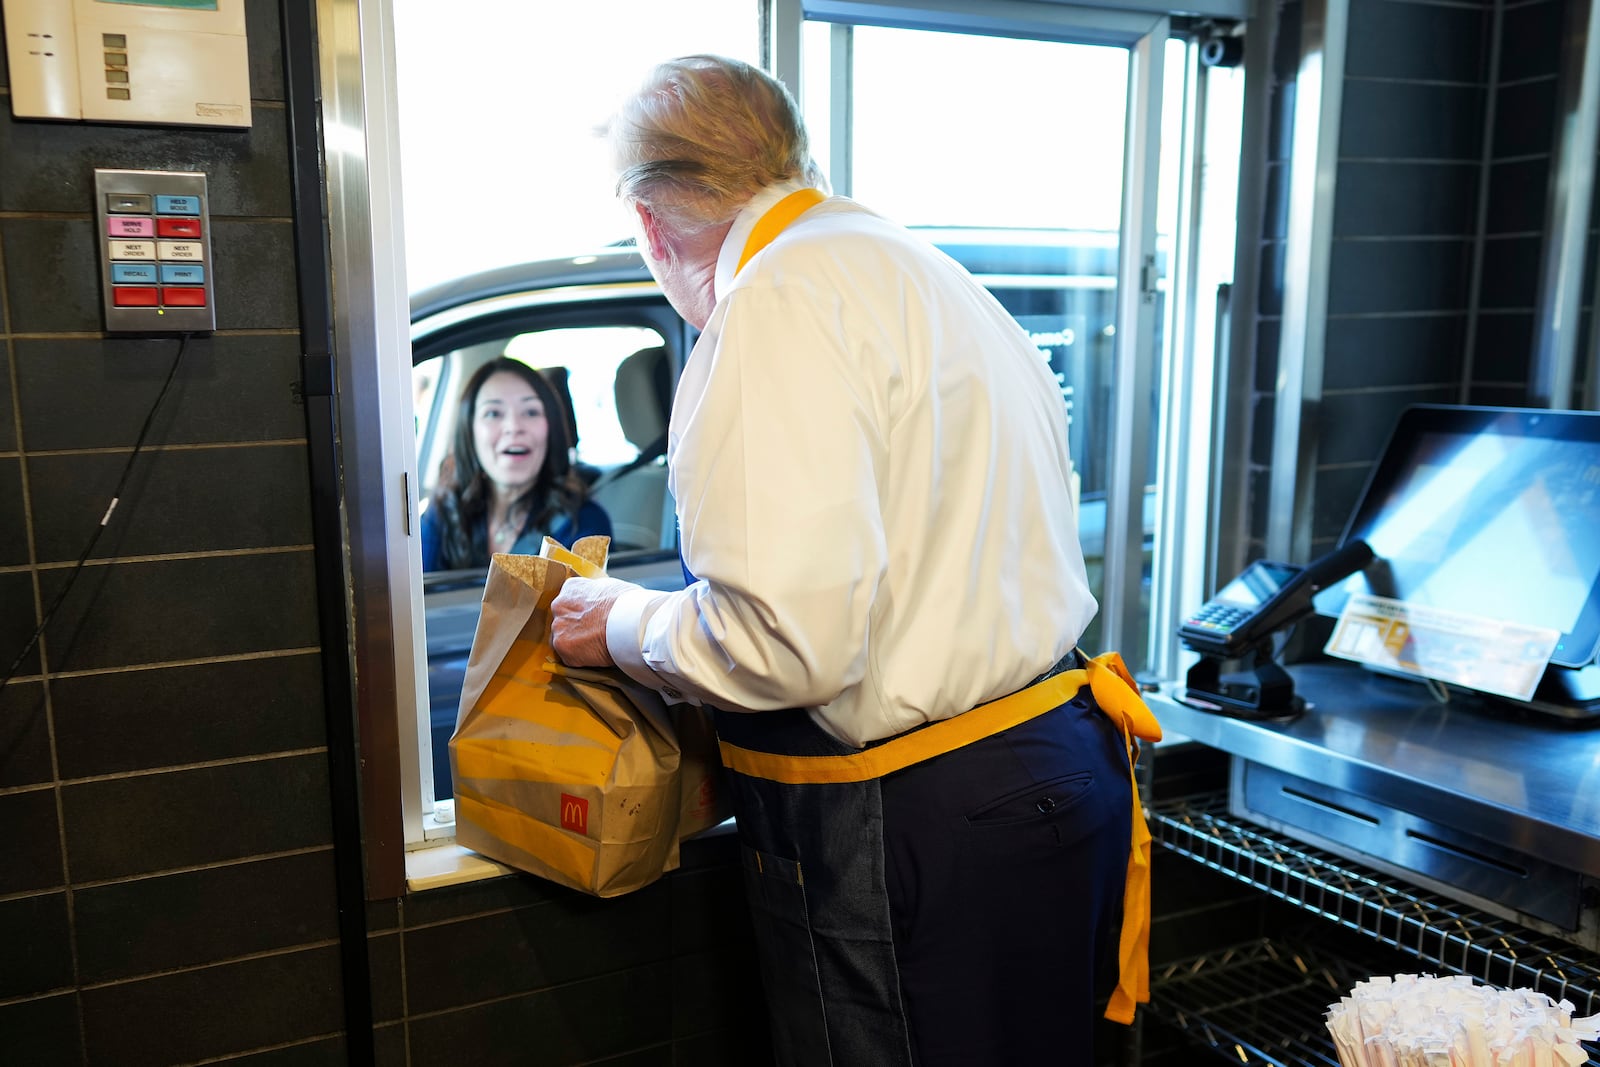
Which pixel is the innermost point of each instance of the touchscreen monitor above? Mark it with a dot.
(1492, 511)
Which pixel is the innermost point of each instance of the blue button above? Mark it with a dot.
(177, 205)
(182, 274)
(133, 273)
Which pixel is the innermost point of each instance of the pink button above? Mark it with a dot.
(129, 226)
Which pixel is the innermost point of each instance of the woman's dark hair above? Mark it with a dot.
(463, 491)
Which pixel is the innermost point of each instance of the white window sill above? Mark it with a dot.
(448, 863)
(439, 861)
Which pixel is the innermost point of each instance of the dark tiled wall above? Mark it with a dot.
(167, 892)
(1404, 231)
(1520, 158)
(167, 887)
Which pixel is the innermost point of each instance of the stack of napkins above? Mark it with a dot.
(1421, 1021)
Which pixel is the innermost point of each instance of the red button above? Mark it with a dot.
(133, 296)
(184, 298)
(177, 227)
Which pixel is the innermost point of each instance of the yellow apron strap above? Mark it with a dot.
(934, 739)
(776, 219)
(1117, 695)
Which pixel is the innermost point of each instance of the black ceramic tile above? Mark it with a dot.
(1258, 499)
(1269, 280)
(187, 500)
(1503, 351)
(1393, 350)
(1518, 193)
(385, 967)
(50, 166)
(478, 898)
(128, 826)
(147, 925)
(321, 1052)
(1497, 395)
(1406, 199)
(8, 421)
(708, 909)
(24, 736)
(577, 1023)
(33, 842)
(255, 274)
(383, 915)
(1353, 427)
(530, 948)
(43, 1031)
(264, 30)
(1268, 334)
(13, 514)
(723, 1048)
(1396, 120)
(1525, 119)
(80, 393)
(1400, 275)
(389, 1045)
(1261, 426)
(38, 945)
(1510, 273)
(714, 991)
(1337, 492)
(1280, 122)
(140, 720)
(122, 614)
(1530, 40)
(52, 274)
(1286, 47)
(1275, 214)
(655, 1056)
(1422, 42)
(213, 1012)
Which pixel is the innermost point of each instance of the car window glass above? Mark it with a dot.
(591, 356)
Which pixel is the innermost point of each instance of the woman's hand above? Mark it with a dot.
(578, 620)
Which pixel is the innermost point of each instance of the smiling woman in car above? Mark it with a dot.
(509, 479)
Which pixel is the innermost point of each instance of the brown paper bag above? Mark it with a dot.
(580, 776)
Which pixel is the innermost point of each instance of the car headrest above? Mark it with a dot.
(644, 396)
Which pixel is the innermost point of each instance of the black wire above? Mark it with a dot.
(105, 520)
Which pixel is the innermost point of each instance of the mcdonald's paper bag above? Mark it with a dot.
(580, 776)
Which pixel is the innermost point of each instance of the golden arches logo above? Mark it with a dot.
(574, 814)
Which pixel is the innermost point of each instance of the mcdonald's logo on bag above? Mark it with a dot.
(574, 814)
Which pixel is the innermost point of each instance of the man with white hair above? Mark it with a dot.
(869, 461)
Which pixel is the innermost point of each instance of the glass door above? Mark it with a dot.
(1042, 150)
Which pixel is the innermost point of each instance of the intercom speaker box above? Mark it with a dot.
(153, 62)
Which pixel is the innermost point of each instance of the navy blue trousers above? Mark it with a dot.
(963, 912)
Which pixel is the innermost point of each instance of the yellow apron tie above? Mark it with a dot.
(776, 220)
(1117, 696)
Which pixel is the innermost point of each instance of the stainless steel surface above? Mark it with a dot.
(1118, 22)
(1531, 784)
(372, 356)
(1313, 168)
(1133, 375)
(1566, 228)
(1234, 408)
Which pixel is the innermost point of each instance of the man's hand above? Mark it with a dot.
(578, 620)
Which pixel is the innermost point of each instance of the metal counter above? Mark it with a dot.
(1527, 780)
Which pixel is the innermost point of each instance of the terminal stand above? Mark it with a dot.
(1260, 690)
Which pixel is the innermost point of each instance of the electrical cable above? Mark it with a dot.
(105, 520)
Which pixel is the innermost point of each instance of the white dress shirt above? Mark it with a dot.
(869, 460)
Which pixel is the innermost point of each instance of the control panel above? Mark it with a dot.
(155, 251)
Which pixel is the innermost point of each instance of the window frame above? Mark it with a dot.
(371, 332)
